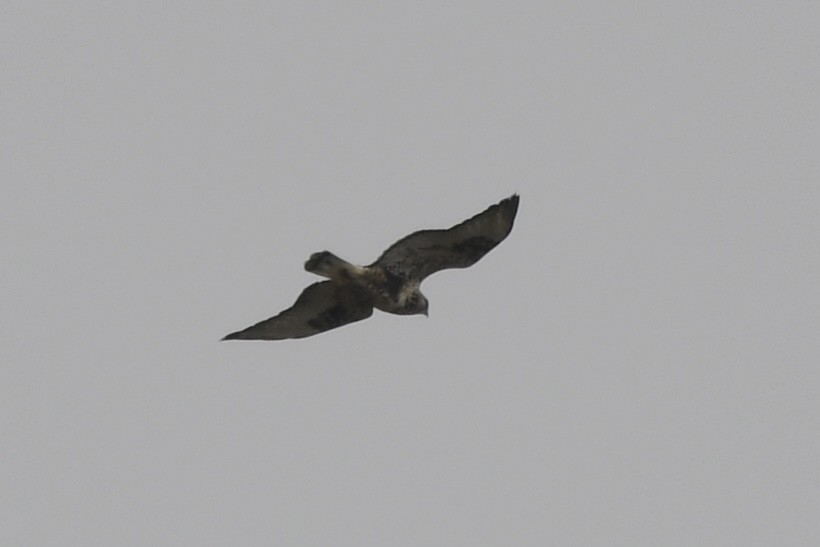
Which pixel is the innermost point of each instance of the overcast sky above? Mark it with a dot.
(637, 364)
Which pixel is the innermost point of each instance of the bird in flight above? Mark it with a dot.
(391, 283)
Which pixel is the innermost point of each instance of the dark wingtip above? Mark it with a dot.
(510, 203)
(231, 336)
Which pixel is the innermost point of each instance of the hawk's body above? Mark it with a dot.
(391, 283)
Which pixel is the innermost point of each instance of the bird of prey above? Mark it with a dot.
(391, 283)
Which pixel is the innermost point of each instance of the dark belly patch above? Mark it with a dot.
(475, 247)
(330, 318)
(393, 283)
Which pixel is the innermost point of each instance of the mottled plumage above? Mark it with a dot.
(391, 283)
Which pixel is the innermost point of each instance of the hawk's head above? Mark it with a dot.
(414, 304)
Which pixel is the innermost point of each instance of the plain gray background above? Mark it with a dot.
(635, 365)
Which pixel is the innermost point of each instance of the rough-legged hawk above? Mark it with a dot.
(390, 284)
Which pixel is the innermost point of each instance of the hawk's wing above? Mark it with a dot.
(428, 251)
(322, 306)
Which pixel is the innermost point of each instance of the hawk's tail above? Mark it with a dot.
(329, 265)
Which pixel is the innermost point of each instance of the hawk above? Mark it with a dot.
(391, 283)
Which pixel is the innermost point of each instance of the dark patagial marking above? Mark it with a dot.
(475, 247)
(330, 318)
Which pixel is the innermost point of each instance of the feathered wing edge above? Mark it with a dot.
(322, 306)
(427, 251)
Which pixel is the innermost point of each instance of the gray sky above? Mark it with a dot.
(637, 364)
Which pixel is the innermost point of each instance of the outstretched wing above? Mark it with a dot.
(322, 306)
(428, 251)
